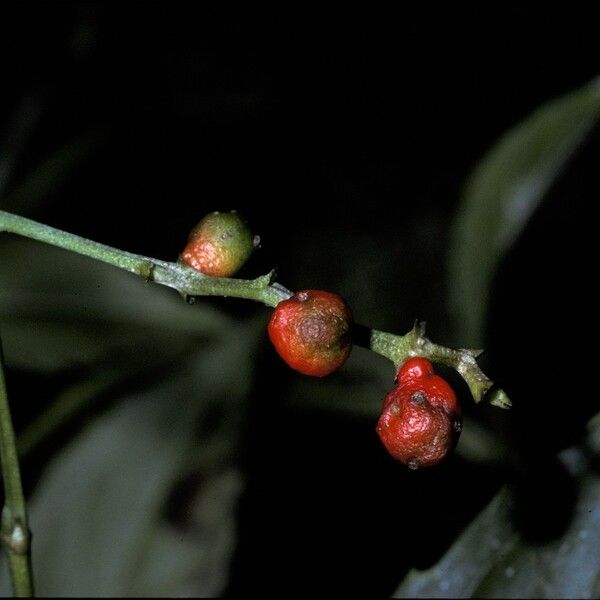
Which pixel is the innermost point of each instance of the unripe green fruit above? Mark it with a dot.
(219, 245)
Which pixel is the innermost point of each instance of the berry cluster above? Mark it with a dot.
(421, 418)
(312, 332)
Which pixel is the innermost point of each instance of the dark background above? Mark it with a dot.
(344, 135)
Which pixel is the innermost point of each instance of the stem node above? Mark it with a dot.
(15, 534)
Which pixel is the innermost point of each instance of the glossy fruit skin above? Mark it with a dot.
(218, 245)
(421, 419)
(417, 374)
(415, 368)
(311, 331)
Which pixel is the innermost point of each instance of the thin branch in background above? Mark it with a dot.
(14, 531)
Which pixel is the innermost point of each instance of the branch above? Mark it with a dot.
(400, 348)
(14, 531)
(187, 281)
(191, 283)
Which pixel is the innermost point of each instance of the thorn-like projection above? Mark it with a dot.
(419, 328)
(500, 399)
(146, 271)
(263, 280)
(281, 291)
(474, 352)
(187, 297)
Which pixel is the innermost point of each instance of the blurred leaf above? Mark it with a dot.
(358, 388)
(492, 560)
(194, 565)
(58, 309)
(49, 175)
(98, 512)
(18, 131)
(462, 568)
(76, 397)
(504, 191)
(478, 443)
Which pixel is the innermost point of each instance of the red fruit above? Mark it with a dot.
(440, 394)
(414, 431)
(421, 418)
(418, 372)
(414, 368)
(311, 331)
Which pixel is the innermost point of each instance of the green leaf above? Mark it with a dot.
(492, 560)
(98, 512)
(504, 191)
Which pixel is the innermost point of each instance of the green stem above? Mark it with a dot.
(190, 283)
(185, 280)
(14, 530)
(400, 348)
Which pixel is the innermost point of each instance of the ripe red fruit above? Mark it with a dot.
(311, 331)
(413, 431)
(418, 373)
(421, 418)
(219, 245)
(415, 368)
